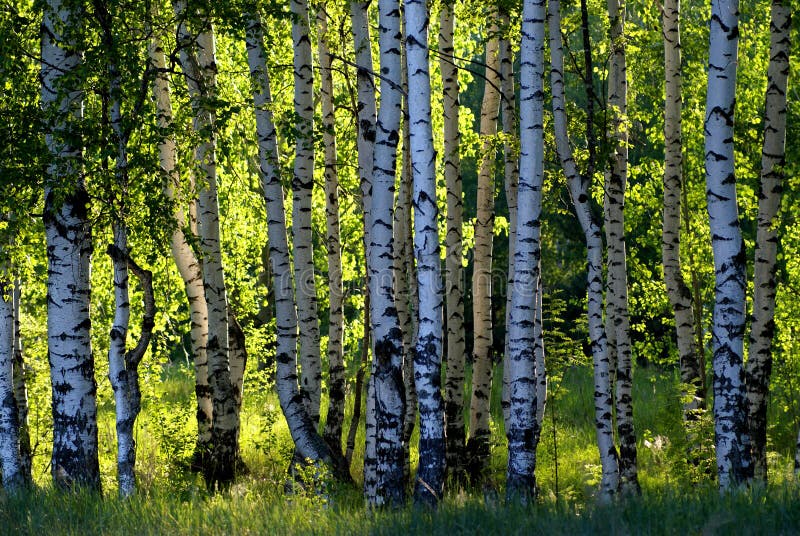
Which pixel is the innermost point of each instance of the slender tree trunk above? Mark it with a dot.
(69, 248)
(182, 254)
(428, 354)
(482, 363)
(359, 390)
(762, 323)
(521, 428)
(200, 72)
(21, 390)
(10, 457)
(336, 378)
(680, 296)
(511, 174)
(617, 178)
(365, 142)
(302, 186)
(386, 396)
(308, 444)
(579, 192)
(730, 411)
(454, 274)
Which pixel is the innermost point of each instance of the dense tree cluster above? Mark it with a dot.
(428, 242)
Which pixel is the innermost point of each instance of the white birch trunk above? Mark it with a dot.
(730, 412)
(428, 355)
(454, 274)
(182, 253)
(617, 178)
(579, 192)
(69, 248)
(762, 323)
(521, 428)
(308, 444)
(10, 458)
(482, 362)
(200, 72)
(387, 395)
(680, 296)
(302, 185)
(336, 371)
(511, 174)
(21, 390)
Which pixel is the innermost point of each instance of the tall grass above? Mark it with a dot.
(678, 498)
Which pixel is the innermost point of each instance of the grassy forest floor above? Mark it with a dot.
(677, 498)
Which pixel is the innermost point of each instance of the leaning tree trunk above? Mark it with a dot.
(428, 354)
(762, 323)
(200, 71)
(69, 248)
(336, 377)
(482, 364)
(579, 192)
(616, 180)
(302, 186)
(21, 390)
(10, 457)
(730, 411)
(521, 428)
(183, 256)
(386, 393)
(454, 268)
(680, 295)
(308, 444)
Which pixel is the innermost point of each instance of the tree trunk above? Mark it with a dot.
(200, 72)
(308, 444)
(482, 363)
(762, 323)
(616, 179)
(579, 192)
(511, 174)
(69, 248)
(730, 411)
(454, 274)
(302, 186)
(336, 377)
(182, 254)
(521, 428)
(680, 296)
(21, 390)
(428, 354)
(10, 457)
(386, 396)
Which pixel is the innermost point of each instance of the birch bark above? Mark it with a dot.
(10, 458)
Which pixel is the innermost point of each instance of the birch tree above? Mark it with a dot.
(617, 318)
(521, 428)
(454, 269)
(336, 378)
(762, 322)
(680, 295)
(579, 185)
(200, 71)
(308, 444)
(730, 412)
(68, 234)
(20, 372)
(302, 185)
(10, 457)
(482, 363)
(182, 254)
(386, 396)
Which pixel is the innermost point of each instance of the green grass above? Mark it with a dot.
(676, 499)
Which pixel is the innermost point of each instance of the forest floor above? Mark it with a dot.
(677, 497)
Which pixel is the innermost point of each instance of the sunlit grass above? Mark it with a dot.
(172, 500)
